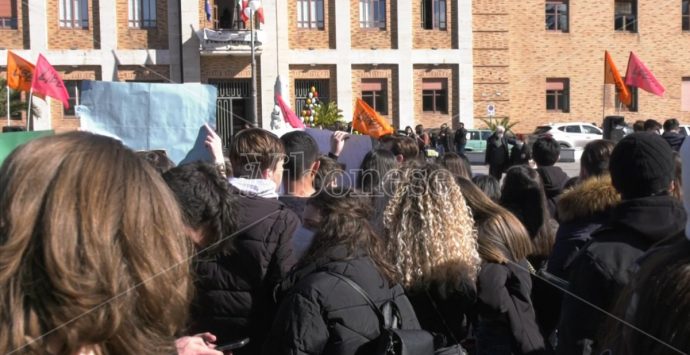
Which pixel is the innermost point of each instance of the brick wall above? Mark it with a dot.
(365, 38)
(64, 38)
(304, 38)
(535, 54)
(17, 38)
(60, 122)
(143, 73)
(141, 38)
(435, 38)
(444, 72)
(389, 73)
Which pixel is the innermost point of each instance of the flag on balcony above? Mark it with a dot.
(46, 81)
(19, 72)
(246, 11)
(367, 121)
(288, 115)
(207, 8)
(640, 76)
(612, 76)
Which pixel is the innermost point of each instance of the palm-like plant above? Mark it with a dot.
(328, 114)
(17, 105)
(503, 121)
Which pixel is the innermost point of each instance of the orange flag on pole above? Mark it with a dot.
(19, 72)
(611, 76)
(47, 81)
(367, 121)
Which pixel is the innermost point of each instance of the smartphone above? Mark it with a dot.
(234, 345)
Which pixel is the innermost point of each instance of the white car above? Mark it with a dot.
(569, 135)
(685, 130)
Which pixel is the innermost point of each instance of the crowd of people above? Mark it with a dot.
(266, 250)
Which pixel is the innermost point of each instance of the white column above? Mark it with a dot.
(38, 36)
(190, 42)
(465, 67)
(343, 44)
(275, 14)
(405, 67)
(174, 40)
(108, 34)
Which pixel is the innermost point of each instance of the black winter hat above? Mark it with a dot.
(641, 165)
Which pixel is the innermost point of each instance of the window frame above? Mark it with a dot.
(557, 15)
(433, 17)
(137, 14)
(302, 87)
(370, 21)
(10, 23)
(629, 20)
(73, 14)
(313, 10)
(370, 96)
(561, 98)
(71, 113)
(435, 95)
(685, 15)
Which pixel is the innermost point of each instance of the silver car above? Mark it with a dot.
(569, 135)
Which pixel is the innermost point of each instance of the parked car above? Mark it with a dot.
(685, 130)
(568, 135)
(476, 139)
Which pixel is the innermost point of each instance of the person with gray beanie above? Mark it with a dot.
(641, 169)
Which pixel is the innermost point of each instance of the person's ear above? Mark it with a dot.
(399, 158)
(315, 167)
(267, 174)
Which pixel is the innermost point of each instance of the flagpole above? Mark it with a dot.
(8, 105)
(28, 117)
(603, 101)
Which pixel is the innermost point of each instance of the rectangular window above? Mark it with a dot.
(374, 93)
(303, 88)
(557, 15)
(634, 103)
(74, 14)
(557, 95)
(72, 87)
(372, 14)
(434, 14)
(435, 95)
(310, 14)
(8, 14)
(142, 13)
(685, 95)
(685, 14)
(626, 15)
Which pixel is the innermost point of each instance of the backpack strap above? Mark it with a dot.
(365, 296)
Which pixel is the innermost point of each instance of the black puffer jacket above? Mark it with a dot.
(322, 314)
(603, 267)
(507, 322)
(234, 291)
(674, 139)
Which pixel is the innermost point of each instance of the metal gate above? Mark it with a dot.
(302, 89)
(232, 106)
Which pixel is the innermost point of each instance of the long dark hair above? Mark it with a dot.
(344, 221)
(376, 164)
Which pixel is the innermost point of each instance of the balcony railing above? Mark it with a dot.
(228, 42)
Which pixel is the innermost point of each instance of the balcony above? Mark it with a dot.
(229, 42)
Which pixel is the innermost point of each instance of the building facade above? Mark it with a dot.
(543, 61)
(411, 60)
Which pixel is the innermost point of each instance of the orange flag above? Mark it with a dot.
(611, 76)
(19, 72)
(367, 121)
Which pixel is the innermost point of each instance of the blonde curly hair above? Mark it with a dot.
(430, 230)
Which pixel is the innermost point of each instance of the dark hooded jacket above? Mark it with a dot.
(322, 314)
(234, 290)
(582, 210)
(507, 322)
(674, 139)
(603, 267)
(554, 180)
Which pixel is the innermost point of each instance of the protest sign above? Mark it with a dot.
(147, 116)
(11, 140)
(356, 147)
